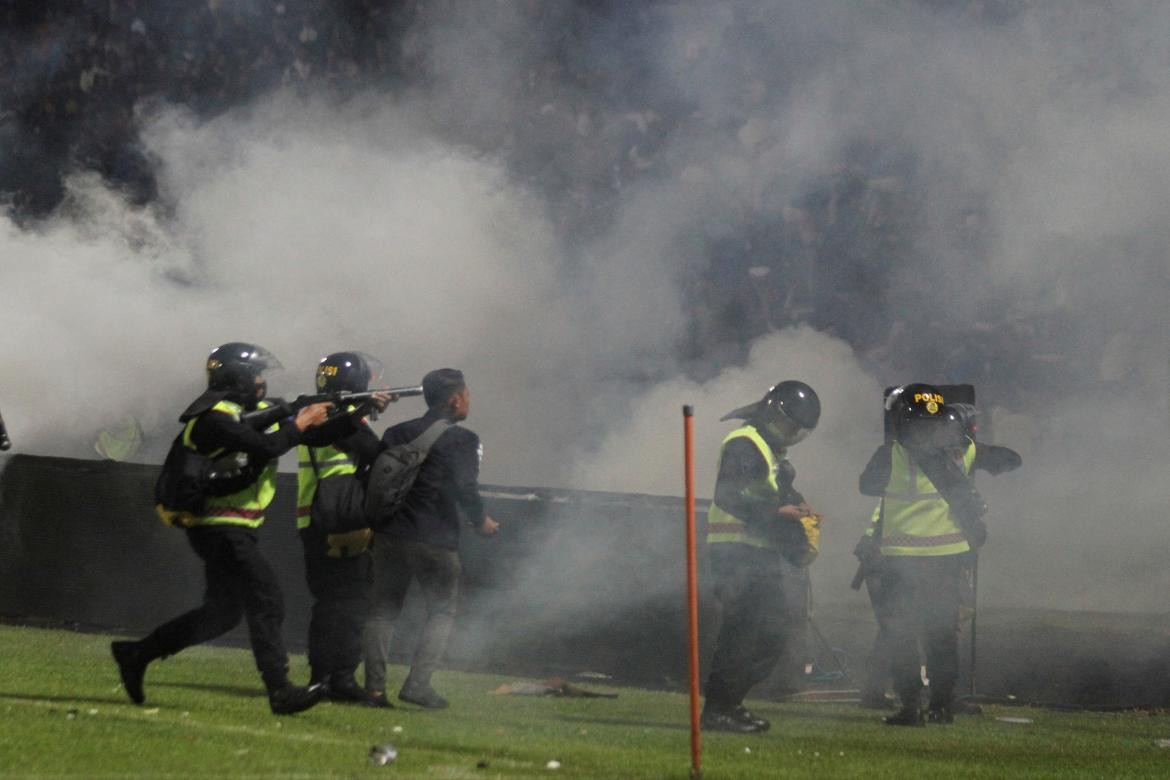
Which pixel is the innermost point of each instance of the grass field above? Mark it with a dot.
(63, 712)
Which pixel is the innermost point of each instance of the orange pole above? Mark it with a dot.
(692, 589)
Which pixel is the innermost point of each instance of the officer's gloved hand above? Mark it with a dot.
(976, 533)
(868, 550)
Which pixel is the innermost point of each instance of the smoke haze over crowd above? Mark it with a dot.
(1014, 162)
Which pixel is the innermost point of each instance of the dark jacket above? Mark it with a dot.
(446, 489)
(216, 430)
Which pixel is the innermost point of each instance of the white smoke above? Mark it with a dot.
(395, 226)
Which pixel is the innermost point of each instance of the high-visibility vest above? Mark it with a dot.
(330, 462)
(916, 519)
(244, 507)
(724, 527)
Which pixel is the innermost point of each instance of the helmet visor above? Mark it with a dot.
(375, 367)
(785, 431)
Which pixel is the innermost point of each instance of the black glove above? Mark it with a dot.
(975, 531)
(868, 550)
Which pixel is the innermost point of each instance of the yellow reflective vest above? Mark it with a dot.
(244, 507)
(315, 464)
(724, 527)
(330, 462)
(916, 519)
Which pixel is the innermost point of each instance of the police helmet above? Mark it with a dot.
(234, 367)
(789, 412)
(347, 372)
(921, 419)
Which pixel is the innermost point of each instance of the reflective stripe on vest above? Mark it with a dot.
(331, 462)
(244, 507)
(917, 520)
(724, 527)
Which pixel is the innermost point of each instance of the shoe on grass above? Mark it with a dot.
(290, 699)
(718, 720)
(907, 716)
(423, 696)
(132, 668)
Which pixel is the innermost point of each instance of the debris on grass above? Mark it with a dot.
(397, 729)
(71, 714)
(482, 764)
(1162, 743)
(1017, 721)
(381, 755)
(554, 686)
(553, 764)
(93, 711)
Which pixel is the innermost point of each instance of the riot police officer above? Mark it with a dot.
(224, 533)
(756, 517)
(929, 520)
(333, 526)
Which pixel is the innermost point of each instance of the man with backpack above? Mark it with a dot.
(332, 523)
(222, 517)
(419, 540)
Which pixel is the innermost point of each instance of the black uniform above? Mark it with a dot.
(421, 542)
(240, 582)
(338, 566)
(916, 596)
(756, 616)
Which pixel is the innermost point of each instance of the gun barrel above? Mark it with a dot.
(402, 392)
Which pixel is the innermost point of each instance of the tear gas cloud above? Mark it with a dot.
(404, 227)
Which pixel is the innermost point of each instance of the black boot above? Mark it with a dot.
(744, 715)
(132, 667)
(908, 715)
(289, 699)
(342, 687)
(725, 720)
(941, 715)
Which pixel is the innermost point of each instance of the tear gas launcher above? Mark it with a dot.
(342, 400)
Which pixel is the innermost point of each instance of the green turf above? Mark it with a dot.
(63, 712)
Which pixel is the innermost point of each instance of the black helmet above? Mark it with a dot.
(921, 418)
(788, 411)
(347, 371)
(234, 367)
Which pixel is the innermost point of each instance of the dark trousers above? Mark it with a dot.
(922, 595)
(341, 601)
(396, 563)
(754, 618)
(879, 661)
(240, 583)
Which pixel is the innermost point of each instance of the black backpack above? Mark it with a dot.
(394, 471)
(188, 477)
(339, 503)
